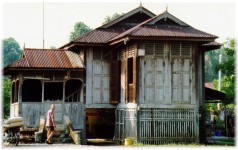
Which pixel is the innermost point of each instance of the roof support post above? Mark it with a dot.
(19, 94)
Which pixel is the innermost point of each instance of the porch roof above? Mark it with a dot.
(47, 59)
(214, 96)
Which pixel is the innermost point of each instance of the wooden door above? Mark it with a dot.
(114, 82)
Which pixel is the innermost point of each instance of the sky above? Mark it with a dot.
(24, 20)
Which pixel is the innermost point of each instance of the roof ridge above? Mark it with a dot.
(48, 49)
(24, 57)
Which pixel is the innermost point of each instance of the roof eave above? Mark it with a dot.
(8, 71)
(127, 38)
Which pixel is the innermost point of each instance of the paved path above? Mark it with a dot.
(58, 146)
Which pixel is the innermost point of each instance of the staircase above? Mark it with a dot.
(61, 134)
(64, 132)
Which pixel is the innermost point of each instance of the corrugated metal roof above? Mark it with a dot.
(147, 28)
(100, 35)
(39, 58)
(170, 31)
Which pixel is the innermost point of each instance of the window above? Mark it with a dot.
(181, 49)
(131, 51)
(154, 49)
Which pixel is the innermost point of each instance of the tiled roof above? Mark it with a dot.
(39, 58)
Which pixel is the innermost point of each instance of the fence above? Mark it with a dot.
(167, 125)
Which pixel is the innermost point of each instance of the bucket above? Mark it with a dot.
(129, 141)
(218, 133)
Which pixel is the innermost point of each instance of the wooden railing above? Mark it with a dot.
(74, 97)
(156, 126)
(167, 125)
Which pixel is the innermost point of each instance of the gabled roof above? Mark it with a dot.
(167, 15)
(163, 26)
(139, 9)
(47, 59)
(149, 28)
(106, 32)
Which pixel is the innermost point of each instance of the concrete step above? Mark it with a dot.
(60, 136)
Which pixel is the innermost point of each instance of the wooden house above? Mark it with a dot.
(140, 76)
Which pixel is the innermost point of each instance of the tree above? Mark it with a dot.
(53, 47)
(11, 51)
(227, 67)
(113, 17)
(211, 63)
(79, 29)
(6, 97)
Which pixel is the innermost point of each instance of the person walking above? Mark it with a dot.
(50, 124)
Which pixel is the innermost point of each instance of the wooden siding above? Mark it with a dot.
(169, 78)
(76, 113)
(31, 113)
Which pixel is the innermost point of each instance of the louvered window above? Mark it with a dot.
(131, 50)
(149, 48)
(175, 49)
(156, 49)
(122, 54)
(159, 49)
(181, 49)
(185, 49)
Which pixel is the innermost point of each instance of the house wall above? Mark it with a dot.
(166, 107)
(97, 79)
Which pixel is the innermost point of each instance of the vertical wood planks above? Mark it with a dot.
(171, 125)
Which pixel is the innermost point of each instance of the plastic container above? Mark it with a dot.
(129, 141)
